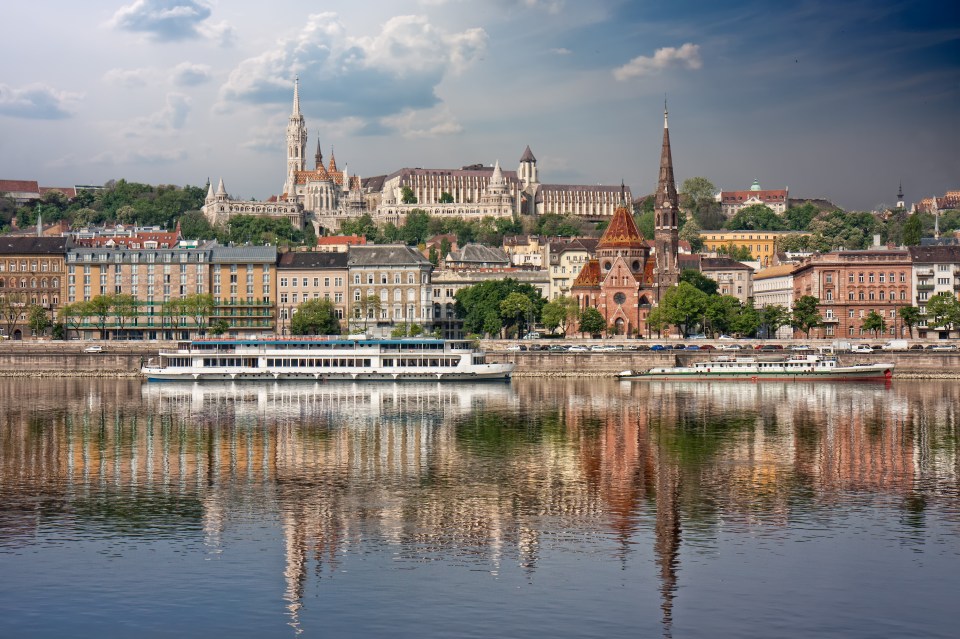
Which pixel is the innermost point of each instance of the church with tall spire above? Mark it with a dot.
(666, 239)
(317, 196)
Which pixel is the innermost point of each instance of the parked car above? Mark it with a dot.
(532, 335)
(708, 347)
(944, 347)
(692, 347)
(658, 347)
(557, 348)
(862, 349)
(730, 347)
(602, 348)
(516, 347)
(94, 348)
(576, 349)
(697, 336)
(915, 347)
(801, 347)
(724, 337)
(679, 347)
(538, 347)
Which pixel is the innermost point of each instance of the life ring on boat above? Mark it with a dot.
(888, 373)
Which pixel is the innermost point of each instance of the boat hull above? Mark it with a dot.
(853, 374)
(489, 372)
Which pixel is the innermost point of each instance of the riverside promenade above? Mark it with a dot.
(123, 359)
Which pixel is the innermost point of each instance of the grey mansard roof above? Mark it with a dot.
(479, 254)
(33, 245)
(386, 255)
(240, 254)
(313, 259)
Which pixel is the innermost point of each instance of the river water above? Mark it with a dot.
(541, 508)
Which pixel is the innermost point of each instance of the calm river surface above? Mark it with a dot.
(588, 508)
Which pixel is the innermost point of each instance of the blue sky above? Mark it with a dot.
(837, 99)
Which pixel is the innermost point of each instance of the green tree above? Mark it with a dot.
(773, 317)
(747, 322)
(479, 305)
(691, 233)
(874, 323)
(195, 226)
(645, 224)
(315, 317)
(446, 198)
(73, 315)
(515, 310)
(407, 196)
(699, 280)
(414, 230)
(943, 309)
(798, 218)
(911, 316)
(219, 327)
(739, 252)
(684, 306)
(38, 320)
(172, 314)
(698, 197)
(657, 321)
(11, 308)
(721, 313)
(125, 308)
(912, 231)
(367, 308)
(199, 306)
(757, 217)
(592, 322)
(806, 314)
(100, 307)
(559, 314)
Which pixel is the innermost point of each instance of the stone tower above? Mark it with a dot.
(296, 142)
(666, 214)
(527, 172)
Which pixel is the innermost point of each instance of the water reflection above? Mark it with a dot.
(483, 476)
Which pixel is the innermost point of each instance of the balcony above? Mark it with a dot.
(924, 272)
(831, 320)
(925, 287)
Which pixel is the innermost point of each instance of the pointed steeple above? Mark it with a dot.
(497, 177)
(900, 191)
(318, 156)
(333, 161)
(296, 97)
(527, 155)
(209, 189)
(666, 215)
(220, 189)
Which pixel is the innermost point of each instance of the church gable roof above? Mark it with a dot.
(590, 275)
(622, 231)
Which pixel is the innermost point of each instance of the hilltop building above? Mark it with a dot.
(732, 201)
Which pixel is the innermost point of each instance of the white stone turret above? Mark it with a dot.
(296, 142)
(527, 173)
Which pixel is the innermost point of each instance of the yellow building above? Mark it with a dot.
(762, 245)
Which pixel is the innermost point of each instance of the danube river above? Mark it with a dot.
(586, 508)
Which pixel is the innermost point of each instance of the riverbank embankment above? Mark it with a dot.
(123, 359)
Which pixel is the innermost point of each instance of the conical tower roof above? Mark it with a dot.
(527, 155)
(590, 275)
(622, 232)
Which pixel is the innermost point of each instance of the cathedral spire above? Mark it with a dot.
(333, 161)
(666, 215)
(296, 97)
(318, 157)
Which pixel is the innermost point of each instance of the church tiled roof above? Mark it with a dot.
(622, 231)
(590, 275)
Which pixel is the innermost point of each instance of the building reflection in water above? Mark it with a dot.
(475, 474)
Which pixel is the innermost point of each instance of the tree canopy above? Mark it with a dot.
(315, 317)
(483, 312)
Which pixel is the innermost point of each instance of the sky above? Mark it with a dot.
(833, 99)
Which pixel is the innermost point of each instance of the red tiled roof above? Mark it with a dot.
(589, 276)
(19, 186)
(622, 231)
(69, 191)
(329, 240)
(730, 197)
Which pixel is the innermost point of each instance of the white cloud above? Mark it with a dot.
(37, 102)
(129, 78)
(560, 51)
(187, 74)
(171, 21)
(172, 117)
(686, 56)
(413, 124)
(399, 68)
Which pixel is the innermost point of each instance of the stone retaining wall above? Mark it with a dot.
(123, 359)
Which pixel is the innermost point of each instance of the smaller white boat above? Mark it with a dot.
(759, 369)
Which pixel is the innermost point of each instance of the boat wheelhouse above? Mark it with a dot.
(796, 367)
(325, 358)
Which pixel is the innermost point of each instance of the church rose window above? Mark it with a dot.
(619, 298)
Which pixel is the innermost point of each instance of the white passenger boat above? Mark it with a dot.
(325, 358)
(796, 367)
